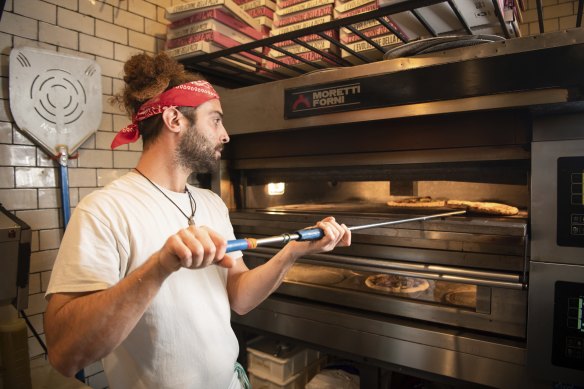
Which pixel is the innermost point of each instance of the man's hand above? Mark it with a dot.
(194, 248)
(335, 235)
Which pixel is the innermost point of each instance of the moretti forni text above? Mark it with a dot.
(334, 96)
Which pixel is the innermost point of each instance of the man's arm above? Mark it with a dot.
(248, 288)
(82, 328)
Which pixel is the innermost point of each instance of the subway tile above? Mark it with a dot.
(136, 146)
(129, 20)
(88, 144)
(36, 304)
(75, 21)
(39, 219)
(7, 177)
(163, 3)
(111, 32)
(20, 138)
(117, 4)
(41, 261)
(96, 158)
(51, 197)
(108, 107)
(119, 86)
(82, 177)
(34, 283)
(106, 83)
(37, 323)
(97, 46)
(105, 176)
(34, 348)
(126, 159)
(550, 25)
(85, 191)
(5, 114)
(76, 53)
(50, 239)
(5, 59)
(19, 25)
(35, 9)
(19, 42)
(4, 87)
(106, 123)
(142, 8)
(123, 53)
(94, 368)
(58, 36)
(110, 68)
(36, 177)
(142, 41)
(46, 160)
(70, 4)
(34, 242)
(120, 121)
(45, 277)
(559, 10)
(103, 140)
(16, 155)
(152, 27)
(98, 380)
(161, 15)
(98, 10)
(19, 198)
(567, 22)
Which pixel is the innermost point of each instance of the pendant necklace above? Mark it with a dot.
(191, 219)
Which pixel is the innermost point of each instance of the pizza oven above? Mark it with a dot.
(444, 298)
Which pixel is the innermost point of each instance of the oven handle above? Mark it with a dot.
(434, 272)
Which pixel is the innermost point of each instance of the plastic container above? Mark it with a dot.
(259, 380)
(278, 361)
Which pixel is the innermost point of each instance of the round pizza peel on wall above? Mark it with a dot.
(55, 98)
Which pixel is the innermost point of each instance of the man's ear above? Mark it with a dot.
(171, 118)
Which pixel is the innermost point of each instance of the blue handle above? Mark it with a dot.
(310, 234)
(237, 244)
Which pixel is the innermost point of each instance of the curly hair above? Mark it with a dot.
(147, 76)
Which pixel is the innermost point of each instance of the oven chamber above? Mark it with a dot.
(471, 322)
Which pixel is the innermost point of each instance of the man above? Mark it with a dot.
(142, 280)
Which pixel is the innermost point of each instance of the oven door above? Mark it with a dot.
(488, 301)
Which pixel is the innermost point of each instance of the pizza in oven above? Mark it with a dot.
(396, 284)
(416, 202)
(483, 207)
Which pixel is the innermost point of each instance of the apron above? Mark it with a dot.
(239, 379)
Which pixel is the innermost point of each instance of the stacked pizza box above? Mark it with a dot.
(295, 15)
(262, 11)
(205, 26)
(372, 29)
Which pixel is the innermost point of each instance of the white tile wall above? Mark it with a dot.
(109, 32)
(29, 178)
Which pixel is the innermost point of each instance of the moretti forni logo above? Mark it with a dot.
(315, 101)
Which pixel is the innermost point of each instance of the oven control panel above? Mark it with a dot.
(570, 229)
(568, 339)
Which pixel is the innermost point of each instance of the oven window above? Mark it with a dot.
(386, 284)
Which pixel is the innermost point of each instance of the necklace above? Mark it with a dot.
(191, 219)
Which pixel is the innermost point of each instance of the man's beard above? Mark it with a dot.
(196, 153)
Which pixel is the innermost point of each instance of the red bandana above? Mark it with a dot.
(191, 94)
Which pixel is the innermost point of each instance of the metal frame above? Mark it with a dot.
(207, 63)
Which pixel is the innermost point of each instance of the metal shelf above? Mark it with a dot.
(232, 67)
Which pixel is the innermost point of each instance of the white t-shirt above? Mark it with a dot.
(184, 339)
